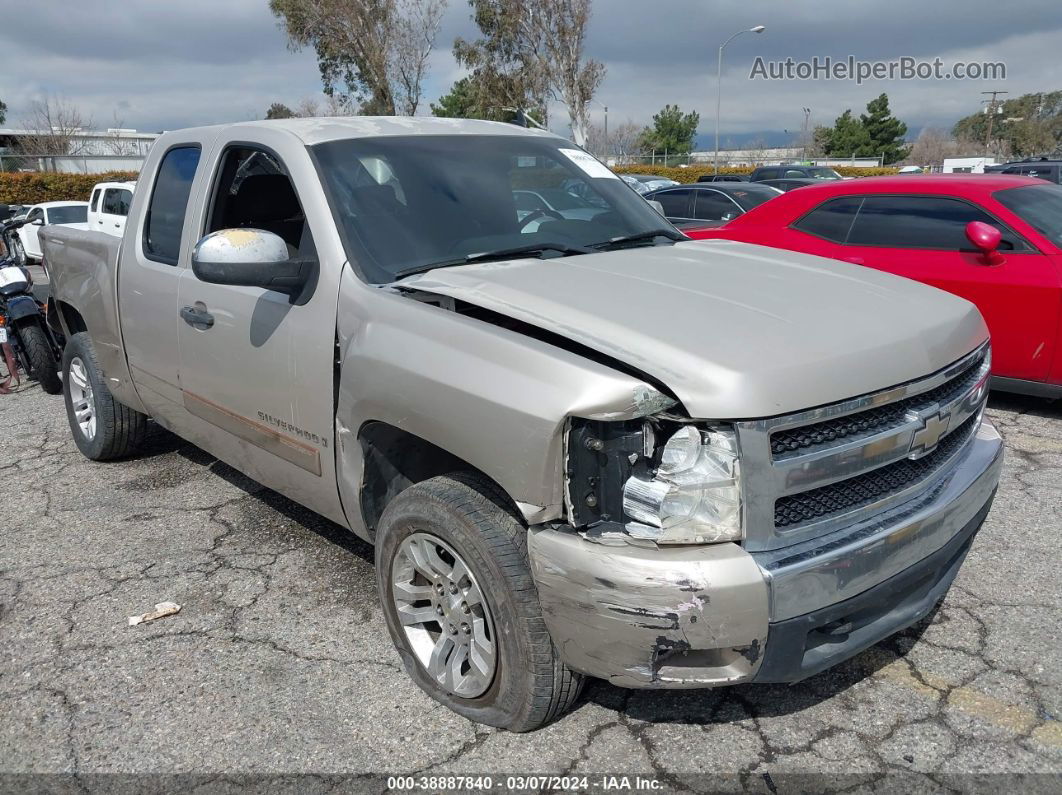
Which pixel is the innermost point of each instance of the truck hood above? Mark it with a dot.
(736, 331)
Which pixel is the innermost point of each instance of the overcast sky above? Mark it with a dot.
(164, 64)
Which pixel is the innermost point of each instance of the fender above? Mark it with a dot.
(22, 306)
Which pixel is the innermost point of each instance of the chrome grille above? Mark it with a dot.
(865, 489)
(865, 423)
(811, 473)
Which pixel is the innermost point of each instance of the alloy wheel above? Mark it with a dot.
(444, 615)
(81, 398)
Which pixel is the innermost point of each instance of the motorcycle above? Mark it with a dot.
(26, 341)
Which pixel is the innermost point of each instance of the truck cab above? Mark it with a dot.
(109, 207)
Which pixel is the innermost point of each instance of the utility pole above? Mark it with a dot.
(990, 109)
(804, 137)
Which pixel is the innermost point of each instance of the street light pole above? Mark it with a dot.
(804, 137)
(605, 107)
(719, 86)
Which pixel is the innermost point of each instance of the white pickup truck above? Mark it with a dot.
(109, 206)
(581, 444)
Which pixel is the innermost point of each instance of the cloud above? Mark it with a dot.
(161, 65)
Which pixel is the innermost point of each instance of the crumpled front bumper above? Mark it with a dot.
(702, 616)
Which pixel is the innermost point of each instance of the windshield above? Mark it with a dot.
(823, 173)
(68, 215)
(750, 196)
(1040, 206)
(405, 202)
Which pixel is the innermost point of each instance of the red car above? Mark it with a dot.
(995, 240)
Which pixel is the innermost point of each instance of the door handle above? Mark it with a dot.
(196, 317)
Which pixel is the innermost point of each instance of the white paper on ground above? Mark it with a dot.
(162, 609)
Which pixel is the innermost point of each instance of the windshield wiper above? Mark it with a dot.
(652, 234)
(485, 256)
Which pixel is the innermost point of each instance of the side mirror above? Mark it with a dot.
(986, 238)
(250, 258)
(655, 205)
(37, 222)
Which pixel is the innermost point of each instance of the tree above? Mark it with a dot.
(672, 130)
(848, 137)
(932, 146)
(418, 25)
(1027, 125)
(374, 52)
(459, 103)
(530, 51)
(52, 127)
(622, 145)
(3, 112)
(885, 132)
(116, 143)
(279, 110)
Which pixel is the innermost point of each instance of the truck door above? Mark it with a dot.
(258, 380)
(152, 258)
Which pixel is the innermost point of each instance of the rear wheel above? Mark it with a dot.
(462, 608)
(41, 358)
(102, 427)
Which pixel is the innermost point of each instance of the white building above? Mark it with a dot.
(966, 165)
(88, 151)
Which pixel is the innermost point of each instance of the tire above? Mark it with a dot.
(529, 685)
(41, 357)
(116, 430)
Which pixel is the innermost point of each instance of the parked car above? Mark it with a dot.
(723, 178)
(921, 228)
(794, 172)
(704, 204)
(1046, 168)
(109, 206)
(47, 214)
(643, 183)
(590, 449)
(786, 185)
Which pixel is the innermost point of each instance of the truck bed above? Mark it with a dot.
(82, 268)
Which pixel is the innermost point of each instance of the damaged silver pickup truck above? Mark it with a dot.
(581, 444)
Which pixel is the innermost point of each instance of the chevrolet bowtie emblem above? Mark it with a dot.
(925, 439)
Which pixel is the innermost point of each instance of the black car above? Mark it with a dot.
(723, 178)
(712, 203)
(764, 173)
(789, 184)
(1046, 168)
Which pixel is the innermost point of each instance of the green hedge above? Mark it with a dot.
(691, 173)
(37, 187)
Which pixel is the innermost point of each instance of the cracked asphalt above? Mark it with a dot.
(279, 662)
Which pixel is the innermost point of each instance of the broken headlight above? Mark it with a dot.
(694, 496)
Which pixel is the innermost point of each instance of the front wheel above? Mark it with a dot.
(462, 608)
(41, 358)
(102, 427)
